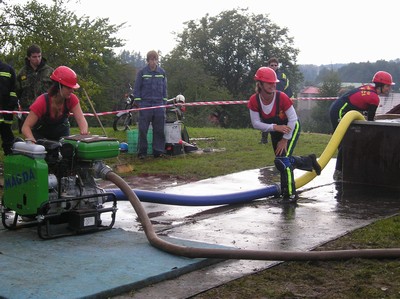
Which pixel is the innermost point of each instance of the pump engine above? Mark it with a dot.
(53, 185)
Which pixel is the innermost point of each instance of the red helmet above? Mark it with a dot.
(65, 76)
(266, 74)
(383, 77)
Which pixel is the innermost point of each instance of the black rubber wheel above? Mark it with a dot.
(122, 123)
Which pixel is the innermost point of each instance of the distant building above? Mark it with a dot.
(308, 92)
(387, 103)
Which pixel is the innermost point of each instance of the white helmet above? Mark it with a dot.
(180, 99)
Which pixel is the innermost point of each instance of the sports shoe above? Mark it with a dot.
(315, 164)
(337, 175)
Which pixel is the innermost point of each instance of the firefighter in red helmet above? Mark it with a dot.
(363, 99)
(49, 113)
(272, 111)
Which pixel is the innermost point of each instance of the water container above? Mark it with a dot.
(132, 136)
(150, 141)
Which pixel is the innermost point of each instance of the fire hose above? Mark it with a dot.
(333, 144)
(220, 253)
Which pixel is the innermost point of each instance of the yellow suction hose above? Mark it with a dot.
(332, 146)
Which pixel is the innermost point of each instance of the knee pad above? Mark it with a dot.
(281, 163)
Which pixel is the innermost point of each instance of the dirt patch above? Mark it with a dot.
(151, 182)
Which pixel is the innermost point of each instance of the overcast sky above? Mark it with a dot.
(325, 32)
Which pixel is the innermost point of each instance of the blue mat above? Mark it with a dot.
(86, 266)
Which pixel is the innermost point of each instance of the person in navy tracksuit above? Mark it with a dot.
(150, 90)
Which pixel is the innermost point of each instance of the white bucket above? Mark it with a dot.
(173, 132)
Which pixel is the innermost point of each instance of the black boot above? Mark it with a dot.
(315, 164)
(288, 188)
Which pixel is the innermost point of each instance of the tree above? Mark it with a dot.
(83, 44)
(188, 77)
(330, 87)
(135, 59)
(224, 51)
(230, 47)
(234, 44)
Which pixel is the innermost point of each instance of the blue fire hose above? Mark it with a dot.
(199, 200)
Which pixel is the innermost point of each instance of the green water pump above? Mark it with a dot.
(54, 185)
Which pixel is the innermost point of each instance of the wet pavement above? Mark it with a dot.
(325, 211)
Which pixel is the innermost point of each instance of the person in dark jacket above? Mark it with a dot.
(150, 90)
(283, 84)
(363, 99)
(272, 111)
(33, 78)
(8, 102)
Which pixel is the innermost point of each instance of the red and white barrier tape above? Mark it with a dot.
(316, 99)
(214, 103)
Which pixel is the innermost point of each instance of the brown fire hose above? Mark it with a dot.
(219, 253)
